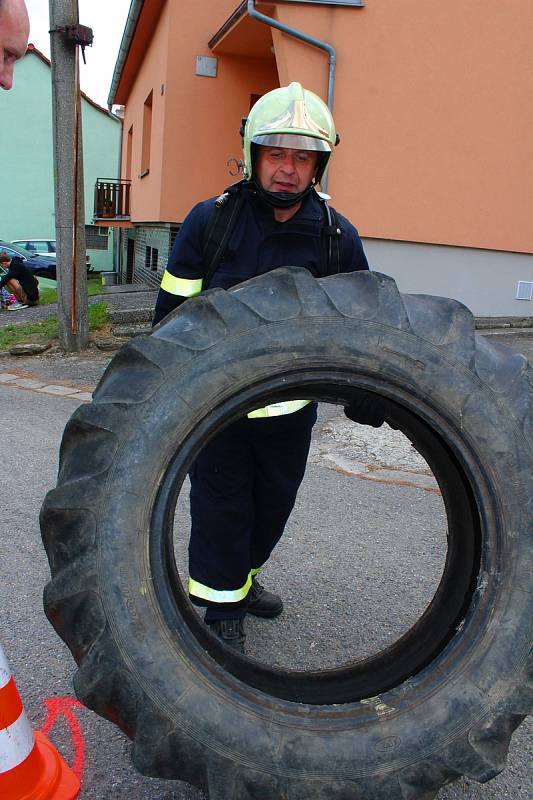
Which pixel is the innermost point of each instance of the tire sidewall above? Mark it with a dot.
(477, 669)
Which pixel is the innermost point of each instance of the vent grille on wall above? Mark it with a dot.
(524, 290)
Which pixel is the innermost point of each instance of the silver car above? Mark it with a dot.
(42, 247)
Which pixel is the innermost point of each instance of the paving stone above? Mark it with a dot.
(87, 396)
(28, 383)
(7, 377)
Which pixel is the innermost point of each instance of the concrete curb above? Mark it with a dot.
(494, 323)
(131, 330)
(126, 316)
(134, 321)
(145, 313)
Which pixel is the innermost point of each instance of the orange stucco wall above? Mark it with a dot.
(203, 113)
(146, 191)
(195, 122)
(434, 104)
(208, 112)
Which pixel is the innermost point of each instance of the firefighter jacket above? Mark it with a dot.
(257, 244)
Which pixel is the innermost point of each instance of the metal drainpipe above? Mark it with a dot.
(304, 37)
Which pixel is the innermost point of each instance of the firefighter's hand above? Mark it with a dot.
(366, 409)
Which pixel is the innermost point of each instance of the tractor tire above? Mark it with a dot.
(444, 699)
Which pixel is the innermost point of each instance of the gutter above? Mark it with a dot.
(127, 37)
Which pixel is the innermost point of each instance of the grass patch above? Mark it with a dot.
(48, 295)
(97, 316)
(48, 329)
(39, 332)
(94, 286)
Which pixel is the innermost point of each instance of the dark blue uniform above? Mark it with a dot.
(244, 482)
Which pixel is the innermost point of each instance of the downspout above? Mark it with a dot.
(304, 37)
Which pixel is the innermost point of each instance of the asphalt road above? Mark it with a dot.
(385, 536)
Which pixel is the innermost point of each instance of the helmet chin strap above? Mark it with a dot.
(282, 199)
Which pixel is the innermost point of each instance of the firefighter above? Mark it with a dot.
(245, 481)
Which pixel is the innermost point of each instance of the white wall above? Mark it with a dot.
(484, 280)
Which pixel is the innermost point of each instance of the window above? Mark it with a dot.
(96, 237)
(41, 246)
(9, 251)
(129, 150)
(147, 135)
(151, 258)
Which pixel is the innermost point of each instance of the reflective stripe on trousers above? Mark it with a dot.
(222, 595)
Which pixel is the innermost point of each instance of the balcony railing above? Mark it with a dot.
(112, 199)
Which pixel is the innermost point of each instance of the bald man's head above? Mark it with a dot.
(14, 33)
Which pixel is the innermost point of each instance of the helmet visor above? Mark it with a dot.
(292, 141)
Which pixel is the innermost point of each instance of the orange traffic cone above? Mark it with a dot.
(30, 766)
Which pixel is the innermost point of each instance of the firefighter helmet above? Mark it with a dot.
(291, 117)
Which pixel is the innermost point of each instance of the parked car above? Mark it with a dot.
(39, 265)
(43, 247)
(39, 247)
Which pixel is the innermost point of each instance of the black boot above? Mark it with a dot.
(230, 631)
(262, 603)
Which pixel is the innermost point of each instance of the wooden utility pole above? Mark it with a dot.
(68, 178)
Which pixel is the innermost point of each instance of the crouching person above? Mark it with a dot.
(20, 281)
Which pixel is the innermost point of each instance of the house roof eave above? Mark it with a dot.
(243, 35)
(232, 20)
(127, 38)
(35, 50)
(141, 23)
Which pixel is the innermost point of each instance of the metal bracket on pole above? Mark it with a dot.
(77, 34)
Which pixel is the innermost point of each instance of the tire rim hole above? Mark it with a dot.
(344, 653)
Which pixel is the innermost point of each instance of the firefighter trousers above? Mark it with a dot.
(243, 489)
